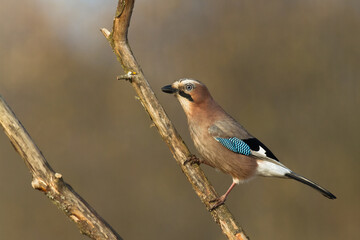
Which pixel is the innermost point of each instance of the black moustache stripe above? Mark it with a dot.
(185, 95)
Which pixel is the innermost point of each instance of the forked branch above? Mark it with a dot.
(46, 180)
(119, 43)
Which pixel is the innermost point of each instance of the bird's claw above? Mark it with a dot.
(192, 159)
(217, 202)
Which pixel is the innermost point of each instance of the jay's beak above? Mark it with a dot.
(169, 89)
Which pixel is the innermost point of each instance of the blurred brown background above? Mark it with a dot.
(287, 70)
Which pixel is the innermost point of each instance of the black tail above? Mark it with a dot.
(306, 181)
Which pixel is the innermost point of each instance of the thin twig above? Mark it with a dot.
(119, 43)
(46, 180)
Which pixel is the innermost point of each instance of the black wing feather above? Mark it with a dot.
(255, 145)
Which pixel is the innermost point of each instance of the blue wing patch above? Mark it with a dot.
(234, 144)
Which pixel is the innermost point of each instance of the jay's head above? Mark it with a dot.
(189, 92)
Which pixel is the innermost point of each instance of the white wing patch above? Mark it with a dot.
(261, 151)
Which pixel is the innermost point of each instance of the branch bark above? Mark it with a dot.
(46, 180)
(119, 42)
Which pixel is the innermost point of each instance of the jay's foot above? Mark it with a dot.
(192, 159)
(218, 202)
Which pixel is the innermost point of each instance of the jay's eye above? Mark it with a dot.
(189, 87)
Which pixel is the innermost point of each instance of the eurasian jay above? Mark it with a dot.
(225, 144)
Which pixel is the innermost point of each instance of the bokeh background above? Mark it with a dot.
(287, 70)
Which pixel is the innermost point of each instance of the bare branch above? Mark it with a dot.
(105, 32)
(46, 180)
(119, 43)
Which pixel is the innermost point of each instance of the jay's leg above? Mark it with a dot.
(221, 200)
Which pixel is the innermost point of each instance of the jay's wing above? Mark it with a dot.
(234, 137)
